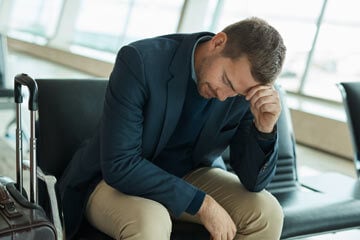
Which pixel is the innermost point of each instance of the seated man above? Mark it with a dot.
(172, 105)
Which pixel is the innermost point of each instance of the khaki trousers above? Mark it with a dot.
(256, 215)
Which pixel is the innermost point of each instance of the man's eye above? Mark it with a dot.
(226, 82)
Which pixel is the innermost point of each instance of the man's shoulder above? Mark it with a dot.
(169, 40)
(160, 50)
(183, 36)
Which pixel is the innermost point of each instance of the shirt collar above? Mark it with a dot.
(200, 40)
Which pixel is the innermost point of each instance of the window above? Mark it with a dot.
(296, 22)
(323, 46)
(99, 24)
(106, 25)
(337, 52)
(152, 18)
(35, 18)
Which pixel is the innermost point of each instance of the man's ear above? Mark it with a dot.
(219, 40)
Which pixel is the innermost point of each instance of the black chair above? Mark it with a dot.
(350, 92)
(69, 111)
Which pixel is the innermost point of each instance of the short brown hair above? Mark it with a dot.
(260, 43)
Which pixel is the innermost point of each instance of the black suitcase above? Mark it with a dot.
(21, 218)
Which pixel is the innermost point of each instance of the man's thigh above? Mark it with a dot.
(122, 216)
(243, 206)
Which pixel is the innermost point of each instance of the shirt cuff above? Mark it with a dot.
(196, 203)
(266, 136)
(266, 140)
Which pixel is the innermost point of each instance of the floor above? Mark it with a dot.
(310, 162)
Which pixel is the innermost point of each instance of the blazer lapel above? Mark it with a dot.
(176, 92)
(176, 89)
(175, 101)
(212, 126)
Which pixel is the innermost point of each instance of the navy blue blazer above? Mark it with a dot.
(143, 103)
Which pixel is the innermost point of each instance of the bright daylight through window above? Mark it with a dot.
(322, 36)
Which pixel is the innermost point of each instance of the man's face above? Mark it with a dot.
(221, 77)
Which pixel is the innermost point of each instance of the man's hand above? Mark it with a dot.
(265, 106)
(216, 220)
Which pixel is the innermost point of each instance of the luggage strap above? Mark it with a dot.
(7, 205)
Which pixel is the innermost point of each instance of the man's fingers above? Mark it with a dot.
(270, 108)
(268, 92)
(231, 235)
(265, 106)
(263, 101)
(250, 94)
(216, 220)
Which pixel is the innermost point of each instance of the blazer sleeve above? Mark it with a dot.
(122, 163)
(254, 168)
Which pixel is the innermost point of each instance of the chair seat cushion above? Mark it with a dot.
(308, 212)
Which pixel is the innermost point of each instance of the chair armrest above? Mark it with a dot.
(57, 216)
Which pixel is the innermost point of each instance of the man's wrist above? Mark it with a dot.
(204, 206)
(263, 130)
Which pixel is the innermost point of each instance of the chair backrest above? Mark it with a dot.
(350, 92)
(69, 111)
(78, 104)
(285, 178)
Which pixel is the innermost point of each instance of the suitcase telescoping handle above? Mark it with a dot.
(20, 80)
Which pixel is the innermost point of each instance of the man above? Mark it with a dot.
(172, 106)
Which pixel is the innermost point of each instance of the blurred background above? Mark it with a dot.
(80, 39)
(322, 36)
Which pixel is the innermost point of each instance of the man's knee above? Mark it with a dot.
(151, 222)
(154, 220)
(268, 206)
(264, 214)
(123, 216)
